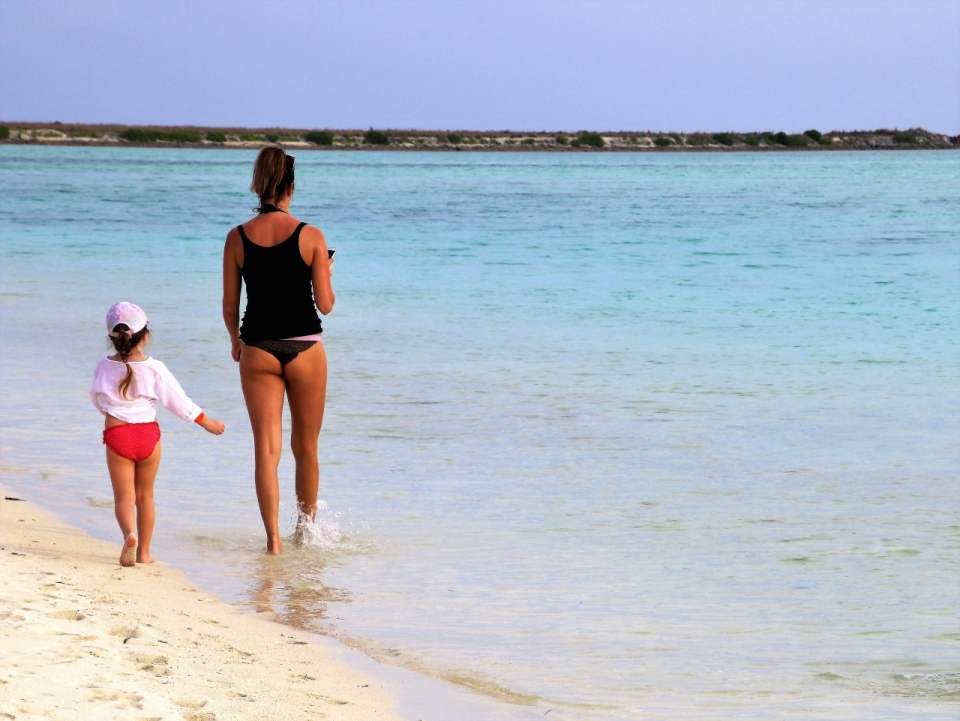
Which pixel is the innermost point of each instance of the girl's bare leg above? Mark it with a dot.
(306, 377)
(144, 477)
(261, 378)
(122, 471)
(133, 500)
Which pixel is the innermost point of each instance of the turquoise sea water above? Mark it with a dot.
(621, 436)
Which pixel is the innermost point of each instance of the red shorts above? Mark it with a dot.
(133, 441)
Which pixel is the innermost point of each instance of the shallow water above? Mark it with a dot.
(616, 435)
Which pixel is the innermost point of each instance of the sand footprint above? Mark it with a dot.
(156, 665)
(125, 632)
(184, 703)
(122, 699)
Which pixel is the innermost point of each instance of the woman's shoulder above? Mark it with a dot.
(311, 234)
(312, 244)
(301, 226)
(233, 235)
(305, 227)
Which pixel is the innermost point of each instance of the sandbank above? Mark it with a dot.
(85, 638)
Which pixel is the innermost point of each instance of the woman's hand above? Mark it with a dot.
(314, 251)
(235, 347)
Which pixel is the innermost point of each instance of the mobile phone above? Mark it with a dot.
(330, 253)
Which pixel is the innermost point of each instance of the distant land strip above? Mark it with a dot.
(57, 133)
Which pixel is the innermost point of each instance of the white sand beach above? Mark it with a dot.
(86, 639)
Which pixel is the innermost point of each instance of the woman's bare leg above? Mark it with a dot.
(263, 387)
(143, 480)
(307, 393)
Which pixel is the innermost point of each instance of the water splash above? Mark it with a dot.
(321, 532)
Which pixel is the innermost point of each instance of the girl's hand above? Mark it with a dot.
(235, 347)
(212, 425)
(330, 265)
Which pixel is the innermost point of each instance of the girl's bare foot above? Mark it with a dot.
(145, 559)
(128, 556)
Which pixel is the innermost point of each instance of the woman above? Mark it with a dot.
(286, 267)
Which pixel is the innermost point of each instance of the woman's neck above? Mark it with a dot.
(282, 205)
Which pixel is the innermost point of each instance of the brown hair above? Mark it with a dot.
(272, 174)
(125, 344)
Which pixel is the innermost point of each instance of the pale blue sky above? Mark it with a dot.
(486, 64)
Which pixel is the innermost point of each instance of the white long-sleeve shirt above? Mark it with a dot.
(152, 382)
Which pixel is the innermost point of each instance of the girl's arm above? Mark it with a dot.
(313, 248)
(170, 393)
(232, 282)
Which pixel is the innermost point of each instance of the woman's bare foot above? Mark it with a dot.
(145, 558)
(274, 545)
(128, 556)
(302, 533)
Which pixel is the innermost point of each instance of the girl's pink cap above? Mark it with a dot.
(129, 314)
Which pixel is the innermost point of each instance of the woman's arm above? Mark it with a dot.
(232, 281)
(321, 267)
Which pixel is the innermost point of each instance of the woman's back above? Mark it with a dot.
(269, 229)
(280, 302)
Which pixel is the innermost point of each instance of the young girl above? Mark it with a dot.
(126, 388)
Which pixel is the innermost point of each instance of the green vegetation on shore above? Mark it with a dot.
(319, 137)
(591, 140)
(905, 138)
(465, 140)
(376, 137)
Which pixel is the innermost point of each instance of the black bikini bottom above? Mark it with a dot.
(284, 350)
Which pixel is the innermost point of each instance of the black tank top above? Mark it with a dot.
(280, 300)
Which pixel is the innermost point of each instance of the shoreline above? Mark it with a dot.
(401, 149)
(104, 135)
(144, 640)
(481, 149)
